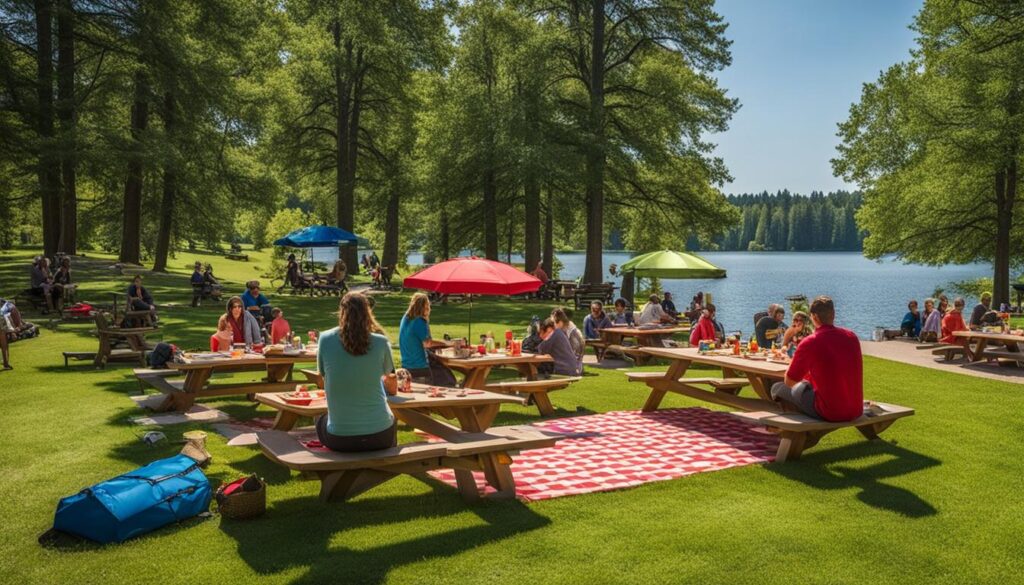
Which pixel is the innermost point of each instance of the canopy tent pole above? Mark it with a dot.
(628, 286)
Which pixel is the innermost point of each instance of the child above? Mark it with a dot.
(279, 328)
(222, 339)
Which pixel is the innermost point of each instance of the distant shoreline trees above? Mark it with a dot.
(787, 221)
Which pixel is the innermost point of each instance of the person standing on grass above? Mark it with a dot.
(979, 311)
(353, 358)
(414, 338)
(952, 322)
(825, 378)
(595, 320)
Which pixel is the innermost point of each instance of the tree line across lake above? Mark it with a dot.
(788, 222)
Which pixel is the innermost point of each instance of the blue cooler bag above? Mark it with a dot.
(165, 491)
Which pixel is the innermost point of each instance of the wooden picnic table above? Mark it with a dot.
(1010, 345)
(182, 394)
(645, 337)
(474, 412)
(759, 374)
(477, 367)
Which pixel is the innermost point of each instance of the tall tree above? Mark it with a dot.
(49, 163)
(66, 107)
(131, 215)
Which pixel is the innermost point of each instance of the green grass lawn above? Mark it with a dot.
(938, 501)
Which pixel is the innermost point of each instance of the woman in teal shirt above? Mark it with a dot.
(352, 359)
(414, 338)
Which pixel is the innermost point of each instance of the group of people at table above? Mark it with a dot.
(939, 321)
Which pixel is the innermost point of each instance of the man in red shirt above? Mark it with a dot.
(825, 379)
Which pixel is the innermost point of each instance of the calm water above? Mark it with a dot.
(867, 293)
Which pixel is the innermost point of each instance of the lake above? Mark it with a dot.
(867, 294)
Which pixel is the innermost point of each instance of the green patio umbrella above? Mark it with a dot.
(666, 264)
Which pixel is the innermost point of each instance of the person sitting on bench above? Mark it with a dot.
(561, 317)
(825, 378)
(353, 358)
(256, 302)
(210, 281)
(622, 316)
(911, 324)
(931, 320)
(414, 340)
(62, 280)
(139, 298)
(954, 321)
(244, 326)
(706, 328)
(555, 343)
(984, 306)
(595, 320)
(42, 283)
(770, 327)
(669, 306)
(338, 273)
(653, 314)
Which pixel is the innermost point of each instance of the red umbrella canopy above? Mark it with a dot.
(473, 276)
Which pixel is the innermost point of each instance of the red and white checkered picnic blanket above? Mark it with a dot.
(622, 449)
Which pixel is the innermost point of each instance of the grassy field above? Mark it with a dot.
(938, 501)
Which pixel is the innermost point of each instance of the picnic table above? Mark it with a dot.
(182, 394)
(476, 368)
(474, 411)
(797, 431)
(645, 337)
(1008, 345)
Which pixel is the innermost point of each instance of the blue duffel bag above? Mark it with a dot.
(165, 491)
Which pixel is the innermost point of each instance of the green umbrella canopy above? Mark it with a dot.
(669, 264)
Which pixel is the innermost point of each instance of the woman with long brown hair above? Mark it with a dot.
(352, 358)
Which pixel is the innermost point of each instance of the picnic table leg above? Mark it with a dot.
(467, 484)
(184, 400)
(528, 371)
(543, 402)
(760, 386)
(342, 485)
(285, 421)
(674, 372)
(791, 446)
(483, 416)
(279, 372)
(104, 352)
(476, 378)
(871, 432)
(978, 353)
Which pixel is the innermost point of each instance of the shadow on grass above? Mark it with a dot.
(834, 469)
(304, 533)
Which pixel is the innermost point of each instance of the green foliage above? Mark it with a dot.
(785, 221)
(283, 222)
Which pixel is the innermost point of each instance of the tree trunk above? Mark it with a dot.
(509, 232)
(345, 207)
(49, 164)
(390, 255)
(348, 253)
(66, 114)
(594, 271)
(446, 242)
(163, 237)
(131, 221)
(490, 214)
(531, 248)
(549, 237)
(1006, 194)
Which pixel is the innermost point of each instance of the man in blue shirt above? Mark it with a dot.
(255, 302)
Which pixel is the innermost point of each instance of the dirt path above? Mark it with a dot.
(905, 352)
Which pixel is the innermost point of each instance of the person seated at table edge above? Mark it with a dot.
(414, 338)
(623, 316)
(911, 324)
(279, 327)
(595, 320)
(224, 337)
(705, 328)
(244, 326)
(952, 322)
(825, 378)
(979, 311)
(799, 330)
(652, 313)
(575, 336)
(931, 328)
(353, 359)
(256, 302)
(539, 274)
(555, 343)
(668, 306)
(769, 327)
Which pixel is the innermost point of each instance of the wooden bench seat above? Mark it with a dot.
(78, 355)
(799, 431)
(725, 384)
(599, 346)
(536, 389)
(236, 256)
(1004, 354)
(345, 475)
(143, 374)
(948, 352)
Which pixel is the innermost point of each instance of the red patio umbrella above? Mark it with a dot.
(473, 276)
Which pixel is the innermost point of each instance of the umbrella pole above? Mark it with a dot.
(469, 334)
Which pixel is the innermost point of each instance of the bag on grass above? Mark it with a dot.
(161, 354)
(165, 491)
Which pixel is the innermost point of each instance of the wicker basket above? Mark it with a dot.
(242, 505)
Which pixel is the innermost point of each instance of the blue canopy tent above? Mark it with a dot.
(318, 236)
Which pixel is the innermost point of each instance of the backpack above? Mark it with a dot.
(165, 491)
(161, 354)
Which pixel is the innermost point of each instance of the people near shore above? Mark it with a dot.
(653, 314)
(575, 336)
(353, 358)
(771, 327)
(696, 308)
(539, 274)
(62, 279)
(952, 322)
(595, 321)
(41, 283)
(245, 328)
(223, 338)
(943, 305)
(279, 327)
(798, 330)
(978, 313)
(555, 343)
(622, 315)
(825, 378)
(911, 324)
(668, 306)
(706, 328)
(414, 339)
(256, 302)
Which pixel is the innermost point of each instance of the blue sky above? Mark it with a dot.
(797, 67)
